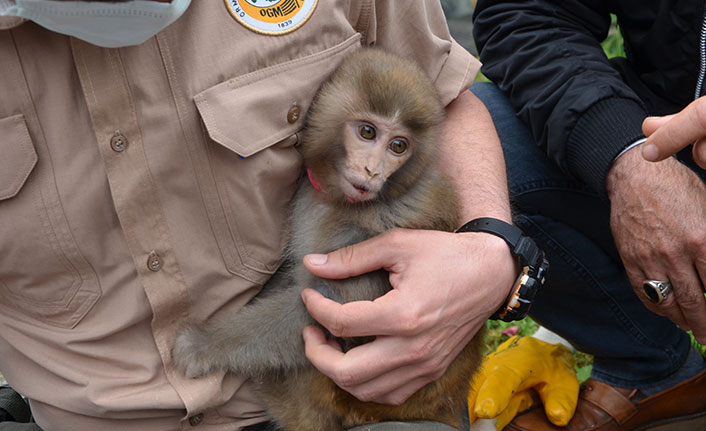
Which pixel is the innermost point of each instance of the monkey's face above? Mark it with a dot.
(375, 148)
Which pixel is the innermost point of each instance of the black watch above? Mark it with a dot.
(534, 266)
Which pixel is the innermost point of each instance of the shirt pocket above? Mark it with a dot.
(251, 124)
(42, 273)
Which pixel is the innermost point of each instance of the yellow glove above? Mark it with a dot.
(511, 377)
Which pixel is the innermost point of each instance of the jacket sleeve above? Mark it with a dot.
(546, 56)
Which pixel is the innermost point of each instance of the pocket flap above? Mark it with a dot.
(252, 112)
(17, 155)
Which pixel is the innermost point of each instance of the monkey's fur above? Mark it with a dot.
(263, 340)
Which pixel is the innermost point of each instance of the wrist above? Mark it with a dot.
(621, 170)
(632, 172)
(531, 260)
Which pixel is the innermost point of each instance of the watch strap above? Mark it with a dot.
(520, 245)
(506, 231)
(532, 260)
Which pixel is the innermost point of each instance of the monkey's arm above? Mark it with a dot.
(263, 336)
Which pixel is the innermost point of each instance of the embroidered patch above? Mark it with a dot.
(273, 17)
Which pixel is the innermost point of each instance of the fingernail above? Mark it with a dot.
(650, 152)
(317, 259)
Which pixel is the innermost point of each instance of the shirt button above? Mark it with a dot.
(118, 142)
(294, 113)
(196, 420)
(154, 262)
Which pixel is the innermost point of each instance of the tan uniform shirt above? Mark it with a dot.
(145, 187)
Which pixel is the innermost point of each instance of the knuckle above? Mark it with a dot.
(644, 254)
(409, 322)
(346, 255)
(437, 374)
(696, 240)
(337, 327)
(395, 237)
(668, 251)
(344, 378)
(420, 351)
(434, 368)
(367, 395)
(395, 400)
(689, 300)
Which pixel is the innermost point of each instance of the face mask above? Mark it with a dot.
(110, 25)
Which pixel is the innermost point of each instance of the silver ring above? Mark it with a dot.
(656, 290)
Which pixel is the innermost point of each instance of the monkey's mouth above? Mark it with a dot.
(361, 188)
(357, 192)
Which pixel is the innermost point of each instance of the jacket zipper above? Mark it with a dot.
(702, 56)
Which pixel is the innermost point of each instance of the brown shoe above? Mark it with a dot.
(602, 407)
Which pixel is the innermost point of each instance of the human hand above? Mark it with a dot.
(669, 134)
(520, 372)
(658, 219)
(445, 286)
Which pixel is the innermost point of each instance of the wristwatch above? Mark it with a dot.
(534, 266)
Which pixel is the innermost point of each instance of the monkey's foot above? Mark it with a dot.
(192, 353)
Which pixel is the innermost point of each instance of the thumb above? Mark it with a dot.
(369, 255)
(559, 398)
(676, 132)
(651, 124)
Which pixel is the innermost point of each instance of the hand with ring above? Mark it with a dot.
(658, 220)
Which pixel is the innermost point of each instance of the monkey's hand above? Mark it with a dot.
(520, 372)
(191, 353)
(445, 286)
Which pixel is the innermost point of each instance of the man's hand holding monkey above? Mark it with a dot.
(443, 293)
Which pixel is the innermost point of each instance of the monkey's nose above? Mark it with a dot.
(370, 173)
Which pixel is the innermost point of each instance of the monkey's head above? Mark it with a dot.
(372, 128)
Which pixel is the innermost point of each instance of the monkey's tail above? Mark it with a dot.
(263, 337)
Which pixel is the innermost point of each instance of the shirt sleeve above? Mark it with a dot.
(418, 30)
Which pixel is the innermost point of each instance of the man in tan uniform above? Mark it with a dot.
(143, 187)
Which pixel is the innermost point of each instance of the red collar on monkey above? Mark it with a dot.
(313, 181)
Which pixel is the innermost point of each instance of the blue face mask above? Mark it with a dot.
(110, 25)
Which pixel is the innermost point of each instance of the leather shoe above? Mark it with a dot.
(602, 407)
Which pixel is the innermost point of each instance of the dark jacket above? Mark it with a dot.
(581, 107)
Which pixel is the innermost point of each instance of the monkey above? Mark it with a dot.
(368, 149)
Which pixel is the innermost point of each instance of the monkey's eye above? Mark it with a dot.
(398, 146)
(366, 131)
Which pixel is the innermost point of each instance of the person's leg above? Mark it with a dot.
(587, 298)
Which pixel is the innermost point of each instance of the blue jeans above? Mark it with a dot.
(587, 298)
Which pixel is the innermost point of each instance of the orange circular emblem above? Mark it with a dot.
(273, 17)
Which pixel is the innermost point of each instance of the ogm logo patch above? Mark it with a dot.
(273, 17)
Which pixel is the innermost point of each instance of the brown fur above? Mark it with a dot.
(263, 340)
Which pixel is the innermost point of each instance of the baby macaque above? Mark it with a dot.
(368, 149)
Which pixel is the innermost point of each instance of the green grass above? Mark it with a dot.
(613, 45)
